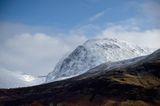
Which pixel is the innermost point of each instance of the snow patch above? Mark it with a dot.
(93, 53)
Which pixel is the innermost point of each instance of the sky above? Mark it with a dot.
(36, 34)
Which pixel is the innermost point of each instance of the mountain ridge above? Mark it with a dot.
(93, 53)
(137, 83)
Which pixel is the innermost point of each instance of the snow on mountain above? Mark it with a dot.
(11, 79)
(93, 53)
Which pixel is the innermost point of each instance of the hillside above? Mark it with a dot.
(136, 82)
(93, 53)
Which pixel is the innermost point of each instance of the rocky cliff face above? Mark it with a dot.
(136, 82)
(93, 53)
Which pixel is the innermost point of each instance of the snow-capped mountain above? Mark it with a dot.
(93, 53)
(11, 79)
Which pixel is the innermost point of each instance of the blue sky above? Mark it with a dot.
(67, 14)
(61, 13)
(35, 34)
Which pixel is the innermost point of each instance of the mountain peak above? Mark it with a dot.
(93, 53)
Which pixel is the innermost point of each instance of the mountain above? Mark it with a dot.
(132, 82)
(11, 79)
(93, 53)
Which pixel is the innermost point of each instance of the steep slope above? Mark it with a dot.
(93, 53)
(136, 82)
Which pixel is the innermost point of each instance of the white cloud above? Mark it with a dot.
(36, 54)
(8, 30)
(151, 9)
(98, 15)
(12, 79)
(147, 13)
(148, 38)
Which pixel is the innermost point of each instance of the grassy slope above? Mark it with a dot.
(132, 85)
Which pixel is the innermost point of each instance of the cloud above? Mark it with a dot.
(8, 30)
(151, 9)
(12, 79)
(96, 16)
(36, 54)
(147, 13)
(148, 38)
(142, 29)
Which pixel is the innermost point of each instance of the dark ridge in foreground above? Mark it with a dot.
(135, 83)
